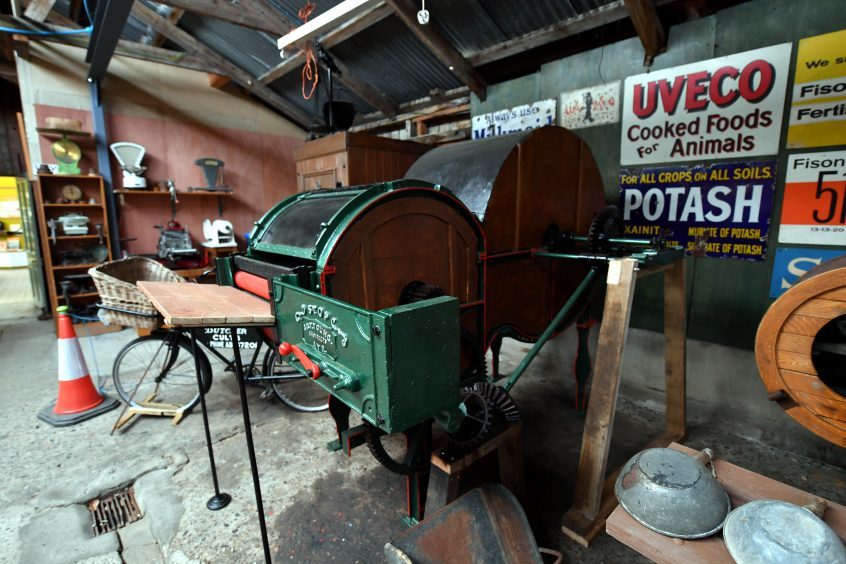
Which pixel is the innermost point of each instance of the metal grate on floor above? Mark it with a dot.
(113, 511)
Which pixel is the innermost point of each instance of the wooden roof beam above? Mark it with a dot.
(341, 33)
(37, 10)
(174, 16)
(587, 21)
(434, 39)
(649, 28)
(236, 73)
(124, 48)
(230, 12)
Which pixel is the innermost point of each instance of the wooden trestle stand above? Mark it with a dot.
(594, 499)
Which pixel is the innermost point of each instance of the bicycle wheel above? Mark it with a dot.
(292, 388)
(160, 368)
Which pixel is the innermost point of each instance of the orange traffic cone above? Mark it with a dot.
(78, 398)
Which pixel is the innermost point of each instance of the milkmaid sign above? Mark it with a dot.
(722, 108)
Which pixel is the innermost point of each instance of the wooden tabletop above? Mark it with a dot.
(742, 486)
(183, 304)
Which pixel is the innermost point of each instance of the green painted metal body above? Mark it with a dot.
(349, 204)
(395, 367)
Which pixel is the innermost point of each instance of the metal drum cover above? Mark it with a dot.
(768, 531)
(672, 493)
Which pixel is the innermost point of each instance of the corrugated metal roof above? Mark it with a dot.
(387, 55)
(390, 58)
(252, 50)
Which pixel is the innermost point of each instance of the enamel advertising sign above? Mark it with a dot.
(596, 105)
(818, 108)
(814, 208)
(722, 108)
(793, 263)
(512, 120)
(722, 210)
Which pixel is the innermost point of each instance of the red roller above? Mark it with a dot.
(252, 284)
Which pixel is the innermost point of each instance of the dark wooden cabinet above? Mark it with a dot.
(350, 159)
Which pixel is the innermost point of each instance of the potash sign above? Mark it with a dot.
(717, 109)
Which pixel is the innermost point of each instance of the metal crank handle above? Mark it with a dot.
(311, 368)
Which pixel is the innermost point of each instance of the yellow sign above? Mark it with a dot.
(818, 109)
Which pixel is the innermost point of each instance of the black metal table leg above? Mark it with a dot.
(218, 500)
(245, 410)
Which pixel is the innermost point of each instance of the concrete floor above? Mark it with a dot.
(320, 506)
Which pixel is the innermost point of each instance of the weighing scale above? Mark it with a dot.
(129, 155)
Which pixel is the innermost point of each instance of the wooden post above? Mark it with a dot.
(594, 499)
(675, 350)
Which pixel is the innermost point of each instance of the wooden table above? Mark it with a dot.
(742, 486)
(190, 307)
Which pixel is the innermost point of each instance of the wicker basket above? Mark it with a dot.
(116, 280)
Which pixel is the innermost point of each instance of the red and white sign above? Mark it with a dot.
(814, 207)
(727, 107)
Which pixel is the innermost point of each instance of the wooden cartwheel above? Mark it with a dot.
(800, 350)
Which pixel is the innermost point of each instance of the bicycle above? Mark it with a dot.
(160, 367)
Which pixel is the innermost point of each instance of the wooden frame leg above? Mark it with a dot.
(594, 497)
(512, 473)
(675, 350)
(443, 488)
(602, 404)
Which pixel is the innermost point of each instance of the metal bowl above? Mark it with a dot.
(769, 531)
(672, 493)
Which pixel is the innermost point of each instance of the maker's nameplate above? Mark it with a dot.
(320, 329)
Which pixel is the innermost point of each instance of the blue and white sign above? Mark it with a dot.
(791, 264)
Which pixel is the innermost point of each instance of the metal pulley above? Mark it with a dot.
(672, 493)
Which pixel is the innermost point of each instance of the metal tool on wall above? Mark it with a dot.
(99, 252)
(174, 240)
(213, 174)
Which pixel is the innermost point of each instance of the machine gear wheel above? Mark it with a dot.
(606, 224)
(373, 436)
(478, 420)
(498, 399)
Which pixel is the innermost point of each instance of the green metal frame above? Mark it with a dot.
(395, 367)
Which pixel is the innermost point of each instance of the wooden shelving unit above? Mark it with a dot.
(51, 205)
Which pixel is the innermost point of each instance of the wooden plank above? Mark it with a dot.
(602, 405)
(796, 362)
(38, 9)
(431, 36)
(830, 408)
(128, 49)
(803, 325)
(649, 28)
(818, 307)
(365, 90)
(808, 384)
(232, 12)
(239, 75)
(795, 343)
(173, 17)
(838, 294)
(742, 486)
(193, 305)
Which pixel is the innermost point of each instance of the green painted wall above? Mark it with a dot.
(727, 298)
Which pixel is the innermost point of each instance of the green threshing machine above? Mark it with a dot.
(387, 296)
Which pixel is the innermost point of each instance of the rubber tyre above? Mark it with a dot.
(180, 389)
(290, 391)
